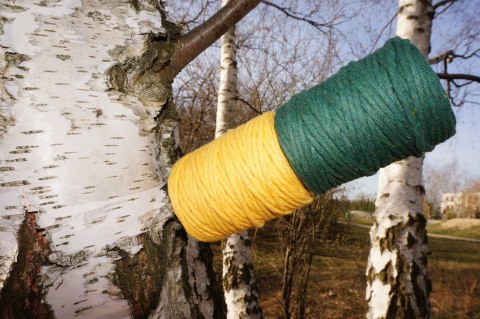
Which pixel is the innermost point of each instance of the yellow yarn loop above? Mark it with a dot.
(236, 182)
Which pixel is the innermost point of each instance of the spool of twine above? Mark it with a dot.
(238, 181)
(383, 108)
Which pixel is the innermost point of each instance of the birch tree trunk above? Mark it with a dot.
(398, 285)
(239, 285)
(88, 136)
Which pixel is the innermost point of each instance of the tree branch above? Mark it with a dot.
(383, 29)
(291, 14)
(189, 46)
(450, 55)
(249, 105)
(195, 18)
(451, 80)
(440, 57)
(458, 76)
(442, 3)
(446, 3)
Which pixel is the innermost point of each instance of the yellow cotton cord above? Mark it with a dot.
(236, 182)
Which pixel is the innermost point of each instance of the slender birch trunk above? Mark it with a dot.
(398, 285)
(239, 285)
(88, 137)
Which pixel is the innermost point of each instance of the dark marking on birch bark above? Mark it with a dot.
(387, 242)
(403, 7)
(168, 151)
(62, 57)
(23, 293)
(421, 298)
(243, 275)
(411, 240)
(16, 160)
(16, 58)
(14, 183)
(32, 132)
(237, 275)
(139, 76)
(420, 189)
(404, 304)
(205, 256)
(135, 5)
(140, 277)
(2, 21)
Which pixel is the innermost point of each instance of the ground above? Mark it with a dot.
(457, 227)
(461, 227)
(337, 285)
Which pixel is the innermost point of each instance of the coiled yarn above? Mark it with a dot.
(383, 108)
(238, 181)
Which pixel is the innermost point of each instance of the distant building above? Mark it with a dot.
(460, 205)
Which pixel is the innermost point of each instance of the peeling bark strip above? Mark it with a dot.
(143, 277)
(23, 293)
(140, 277)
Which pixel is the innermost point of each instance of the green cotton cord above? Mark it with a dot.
(383, 108)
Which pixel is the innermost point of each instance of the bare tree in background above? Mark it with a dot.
(195, 95)
(445, 179)
(299, 235)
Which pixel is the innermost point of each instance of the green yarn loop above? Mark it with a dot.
(383, 108)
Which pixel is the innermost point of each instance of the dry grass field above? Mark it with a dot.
(336, 287)
(460, 227)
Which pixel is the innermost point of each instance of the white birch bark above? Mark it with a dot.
(398, 286)
(240, 289)
(82, 163)
(239, 285)
(227, 91)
